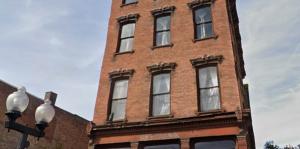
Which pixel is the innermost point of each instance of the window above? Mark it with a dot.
(165, 146)
(203, 22)
(208, 89)
(160, 94)
(162, 30)
(129, 1)
(126, 37)
(113, 146)
(214, 144)
(118, 101)
(161, 144)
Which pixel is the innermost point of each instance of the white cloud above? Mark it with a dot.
(46, 46)
(271, 45)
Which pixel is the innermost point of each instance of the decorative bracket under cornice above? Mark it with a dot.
(161, 67)
(164, 10)
(197, 3)
(128, 18)
(121, 73)
(211, 59)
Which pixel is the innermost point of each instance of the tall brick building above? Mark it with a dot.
(172, 77)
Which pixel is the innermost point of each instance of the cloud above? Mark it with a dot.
(46, 46)
(271, 45)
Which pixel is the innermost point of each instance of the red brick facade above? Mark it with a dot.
(185, 122)
(66, 131)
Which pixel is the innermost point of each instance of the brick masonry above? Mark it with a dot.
(183, 78)
(66, 131)
(184, 88)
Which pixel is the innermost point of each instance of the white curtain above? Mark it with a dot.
(120, 89)
(203, 15)
(208, 77)
(163, 23)
(127, 31)
(161, 103)
(126, 45)
(161, 83)
(118, 109)
(210, 99)
(118, 106)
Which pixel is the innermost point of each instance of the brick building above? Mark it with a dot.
(172, 77)
(66, 131)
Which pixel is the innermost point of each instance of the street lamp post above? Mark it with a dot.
(17, 103)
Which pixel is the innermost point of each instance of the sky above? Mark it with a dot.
(58, 45)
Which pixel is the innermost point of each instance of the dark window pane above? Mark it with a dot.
(161, 83)
(126, 45)
(167, 146)
(163, 38)
(129, 1)
(163, 23)
(208, 77)
(202, 15)
(128, 30)
(120, 89)
(204, 30)
(161, 105)
(210, 99)
(118, 109)
(221, 144)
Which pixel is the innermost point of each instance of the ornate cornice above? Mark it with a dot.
(196, 3)
(160, 67)
(211, 59)
(171, 124)
(120, 73)
(128, 18)
(164, 10)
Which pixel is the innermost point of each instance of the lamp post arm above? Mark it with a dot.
(24, 129)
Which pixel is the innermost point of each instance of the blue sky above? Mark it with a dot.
(58, 45)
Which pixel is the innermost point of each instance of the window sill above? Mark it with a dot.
(206, 38)
(122, 121)
(160, 117)
(208, 113)
(133, 3)
(163, 46)
(121, 53)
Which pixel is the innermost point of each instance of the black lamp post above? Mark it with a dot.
(17, 103)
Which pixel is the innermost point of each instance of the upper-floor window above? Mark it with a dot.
(126, 37)
(203, 22)
(160, 94)
(208, 89)
(129, 1)
(162, 30)
(118, 100)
